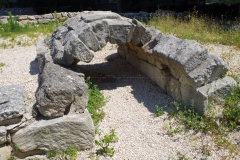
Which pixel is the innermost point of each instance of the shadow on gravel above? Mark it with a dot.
(117, 72)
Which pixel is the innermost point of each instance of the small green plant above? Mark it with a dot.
(69, 154)
(56, 17)
(181, 156)
(1, 65)
(104, 143)
(12, 156)
(159, 111)
(95, 102)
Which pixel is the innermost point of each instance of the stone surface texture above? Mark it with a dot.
(59, 90)
(12, 105)
(3, 135)
(57, 134)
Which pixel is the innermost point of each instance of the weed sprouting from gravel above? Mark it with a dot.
(95, 102)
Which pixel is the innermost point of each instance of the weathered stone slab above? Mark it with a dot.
(47, 16)
(58, 55)
(3, 21)
(57, 134)
(198, 98)
(3, 135)
(60, 32)
(74, 47)
(120, 31)
(150, 33)
(23, 17)
(210, 70)
(182, 56)
(31, 18)
(98, 15)
(61, 91)
(101, 31)
(41, 51)
(86, 35)
(12, 105)
(5, 152)
(138, 33)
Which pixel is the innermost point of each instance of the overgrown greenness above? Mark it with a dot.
(202, 29)
(217, 127)
(69, 154)
(95, 102)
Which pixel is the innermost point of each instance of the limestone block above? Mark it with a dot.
(57, 134)
(3, 21)
(61, 91)
(98, 15)
(12, 106)
(181, 56)
(60, 32)
(138, 33)
(3, 135)
(23, 17)
(5, 152)
(31, 18)
(44, 21)
(74, 47)
(86, 35)
(160, 77)
(47, 16)
(120, 31)
(213, 68)
(101, 31)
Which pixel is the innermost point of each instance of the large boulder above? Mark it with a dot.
(12, 105)
(57, 134)
(61, 91)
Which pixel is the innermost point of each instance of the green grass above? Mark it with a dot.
(13, 29)
(95, 102)
(202, 29)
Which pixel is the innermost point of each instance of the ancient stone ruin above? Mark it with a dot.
(182, 68)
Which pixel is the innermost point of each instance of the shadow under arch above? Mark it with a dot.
(117, 72)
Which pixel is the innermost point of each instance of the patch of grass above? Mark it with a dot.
(69, 154)
(231, 112)
(13, 29)
(159, 111)
(202, 29)
(95, 102)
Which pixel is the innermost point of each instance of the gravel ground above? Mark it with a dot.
(131, 103)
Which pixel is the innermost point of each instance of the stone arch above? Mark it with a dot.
(182, 68)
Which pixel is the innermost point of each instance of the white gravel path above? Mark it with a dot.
(131, 103)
